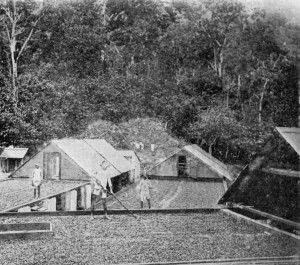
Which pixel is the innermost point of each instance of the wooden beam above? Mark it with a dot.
(282, 172)
(271, 217)
(292, 260)
(25, 230)
(113, 212)
(257, 223)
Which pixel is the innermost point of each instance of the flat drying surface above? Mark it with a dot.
(152, 238)
(173, 194)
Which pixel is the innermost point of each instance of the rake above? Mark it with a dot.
(136, 217)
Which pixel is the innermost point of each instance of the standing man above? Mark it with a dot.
(145, 186)
(99, 182)
(37, 181)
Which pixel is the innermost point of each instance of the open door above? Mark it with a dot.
(182, 166)
(132, 172)
(52, 165)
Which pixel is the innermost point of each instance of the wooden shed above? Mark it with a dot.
(135, 172)
(76, 159)
(271, 190)
(11, 158)
(191, 161)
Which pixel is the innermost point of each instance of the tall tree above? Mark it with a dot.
(225, 18)
(18, 21)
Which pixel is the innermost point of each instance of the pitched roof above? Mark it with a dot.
(14, 153)
(110, 154)
(208, 159)
(292, 136)
(243, 189)
(89, 153)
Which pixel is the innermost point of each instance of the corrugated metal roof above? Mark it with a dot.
(87, 157)
(110, 154)
(209, 160)
(292, 136)
(14, 153)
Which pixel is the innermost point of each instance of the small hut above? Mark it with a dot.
(77, 159)
(11, 158)
(271, 190)
(191, 161)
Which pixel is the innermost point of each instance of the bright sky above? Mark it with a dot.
(288, 8)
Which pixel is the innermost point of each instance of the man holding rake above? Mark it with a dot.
(99, 182)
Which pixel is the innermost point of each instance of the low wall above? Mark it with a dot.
(185, 178)
(25, 230)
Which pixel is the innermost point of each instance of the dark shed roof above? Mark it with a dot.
(12, 152)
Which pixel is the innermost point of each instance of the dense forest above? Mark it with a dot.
(215, 73)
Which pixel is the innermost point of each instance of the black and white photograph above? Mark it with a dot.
(149, 132)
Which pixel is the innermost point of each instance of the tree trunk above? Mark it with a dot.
(215, 61)
(104, 12)
(220, 66)
(13, 43)
(227, 98)
(11, 37)
(227, 151)
(13, 29)
(239, 88)
(261, 101)
(260, 106)
(221, 59)
(14, 73)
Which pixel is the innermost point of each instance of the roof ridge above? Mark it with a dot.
(165, 159)
(14, 148)
(114, 160)
(74, 160)
(210, 156)
(212, 159)
(100, 153)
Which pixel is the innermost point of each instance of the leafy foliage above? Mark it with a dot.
(212, 73)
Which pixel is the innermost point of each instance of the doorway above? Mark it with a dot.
(182, 166)
(52, 165)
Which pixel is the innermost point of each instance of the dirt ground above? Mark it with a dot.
(173, 194)
(14, 192)
(4, 176)
(152, 238)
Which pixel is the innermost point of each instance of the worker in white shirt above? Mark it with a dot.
(99, 182)
(145, 186)
(37, 180)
